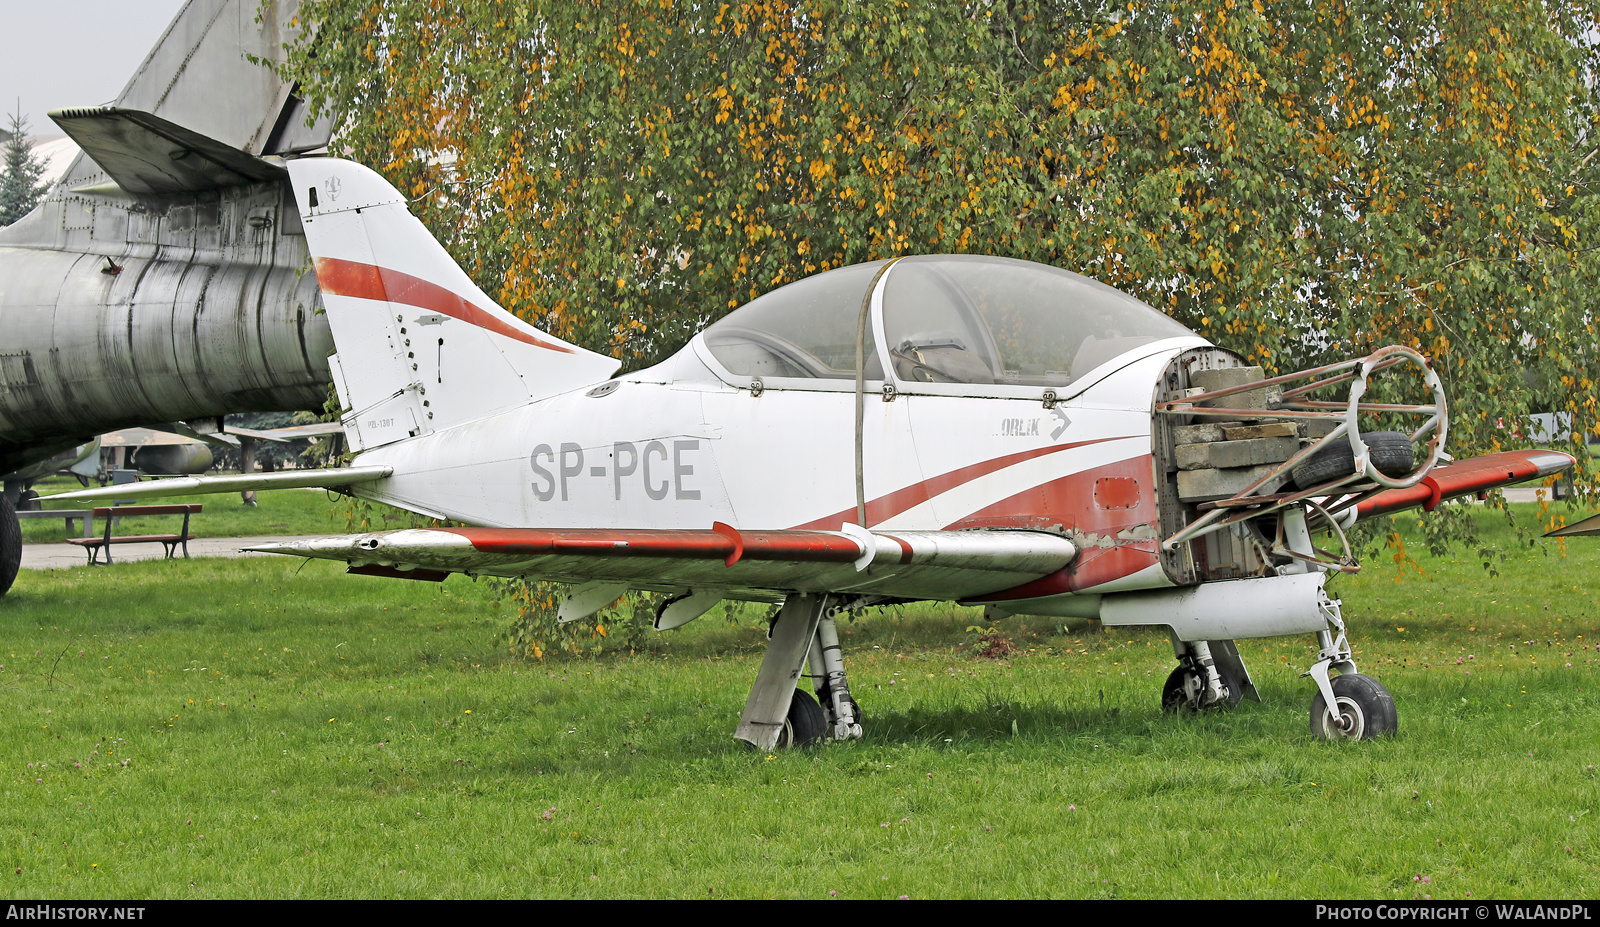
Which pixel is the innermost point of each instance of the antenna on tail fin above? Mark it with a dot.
(420, 346)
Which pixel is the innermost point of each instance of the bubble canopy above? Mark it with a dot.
(962, 319)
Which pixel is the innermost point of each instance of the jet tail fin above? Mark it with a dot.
(207, 87)
(420, 346)
(211, 73)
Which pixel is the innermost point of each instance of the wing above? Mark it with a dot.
(738, 564)
(1461, 477)
(193, 485)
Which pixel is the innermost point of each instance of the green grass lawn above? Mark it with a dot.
(263, 728)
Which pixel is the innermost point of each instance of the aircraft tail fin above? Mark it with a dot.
(420, 346)
(220, 50)
(204, 105)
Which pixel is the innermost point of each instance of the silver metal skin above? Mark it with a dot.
(170, 282)
(165, 277)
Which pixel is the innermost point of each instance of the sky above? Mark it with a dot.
(73, 52)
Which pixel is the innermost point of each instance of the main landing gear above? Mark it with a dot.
(1209, 675)
(778, 714)
(10, 542)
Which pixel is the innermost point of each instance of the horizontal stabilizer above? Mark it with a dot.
(147, 155)
(1587, 528)
(289, 432)
(201, 485)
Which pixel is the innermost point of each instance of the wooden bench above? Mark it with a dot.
(110, 514)
(71, 515)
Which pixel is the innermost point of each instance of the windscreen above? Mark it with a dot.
(805, 329)
(975, 319)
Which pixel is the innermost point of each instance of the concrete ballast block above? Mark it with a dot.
(1233, 376)
(1209, 485)
(1203, 433)
(1249, 453)
(1270, 430)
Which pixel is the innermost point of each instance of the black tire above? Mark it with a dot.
(1174, 700)
(1391, 451)
(10, 544)
(28, 501)
(1366, 706)
(804, 725)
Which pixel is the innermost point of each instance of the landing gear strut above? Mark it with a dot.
(1209, 675)
(777, 714)
(1349, 706)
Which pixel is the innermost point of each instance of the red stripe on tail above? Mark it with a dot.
(339, 277)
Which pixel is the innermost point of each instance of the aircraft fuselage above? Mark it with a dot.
(678, 446)
(119, 313)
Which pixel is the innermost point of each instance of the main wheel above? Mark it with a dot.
(1391, 452)
(804, 724)
(10, 544)
(1365, 707)
(1184, 684)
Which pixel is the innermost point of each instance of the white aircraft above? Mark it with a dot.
(964, 428)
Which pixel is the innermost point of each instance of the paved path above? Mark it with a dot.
(61, 556)
(1526, 494)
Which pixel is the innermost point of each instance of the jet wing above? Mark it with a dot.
(1461, 477)
(192, 485)
(741, 564)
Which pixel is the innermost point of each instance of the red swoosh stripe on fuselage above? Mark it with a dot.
(1073, 503)
(887, 506)
(339, 277)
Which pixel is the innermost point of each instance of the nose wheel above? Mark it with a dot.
(1366, 710)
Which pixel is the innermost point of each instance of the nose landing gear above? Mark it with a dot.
(1366, 710)
(1349, 706)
